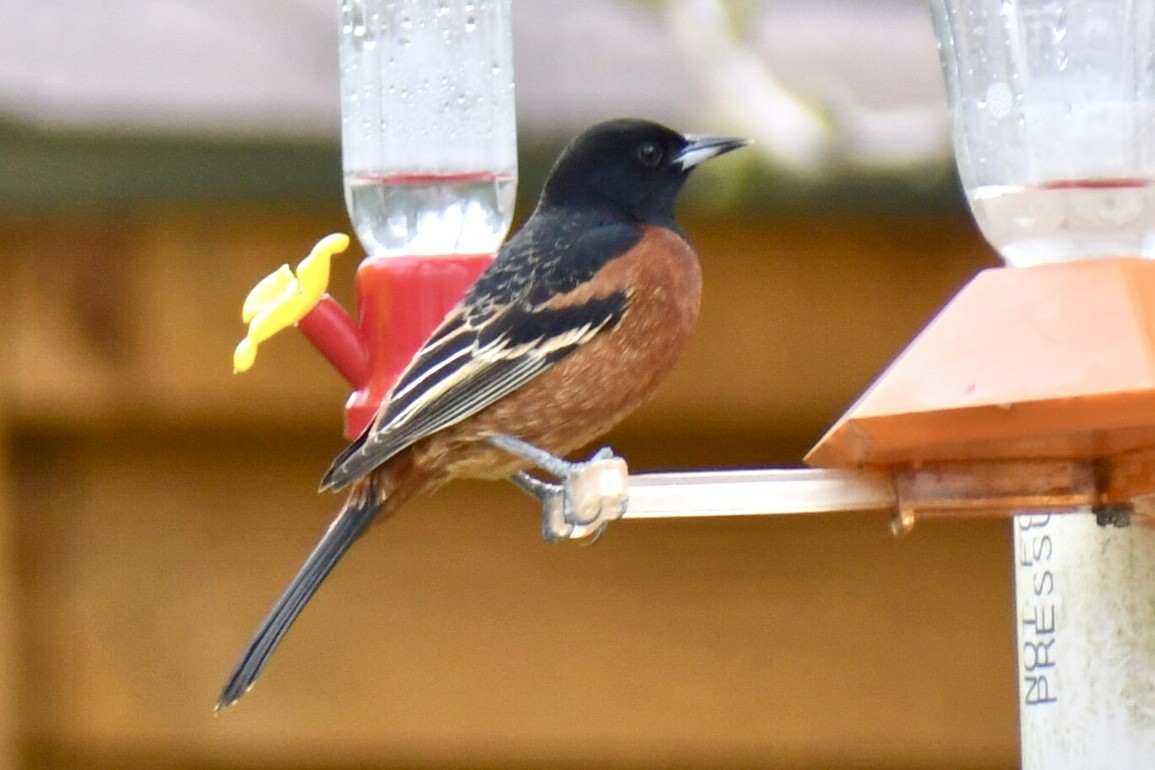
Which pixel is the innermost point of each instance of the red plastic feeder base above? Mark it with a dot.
(400, 301)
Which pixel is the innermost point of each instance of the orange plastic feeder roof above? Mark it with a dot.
(1054, 362)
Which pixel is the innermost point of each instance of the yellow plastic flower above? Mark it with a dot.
(283, 298)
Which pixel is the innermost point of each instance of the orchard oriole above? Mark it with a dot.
(584, 311)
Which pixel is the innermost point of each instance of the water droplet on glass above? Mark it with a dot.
(406, 22)
(999, 99)
(495, 69)
(1062, 60)
(442, 7)
(359, 30)
(460, 99)
(470, 23)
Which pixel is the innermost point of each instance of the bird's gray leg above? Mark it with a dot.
(532, 485)
(550, 463)
(591, 493)
(552, 499)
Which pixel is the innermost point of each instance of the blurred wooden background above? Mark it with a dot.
(155, 505)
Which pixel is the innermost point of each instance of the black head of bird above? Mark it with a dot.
(631, 167)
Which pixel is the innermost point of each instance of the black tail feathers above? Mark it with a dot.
(362, 507)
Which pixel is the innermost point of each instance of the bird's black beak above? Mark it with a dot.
(700, 148)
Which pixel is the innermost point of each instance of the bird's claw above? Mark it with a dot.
(589, 496)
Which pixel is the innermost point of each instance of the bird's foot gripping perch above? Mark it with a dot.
(589, 496)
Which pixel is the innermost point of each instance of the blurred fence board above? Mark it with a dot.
(11, 674)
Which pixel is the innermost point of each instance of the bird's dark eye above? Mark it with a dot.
(650, 154)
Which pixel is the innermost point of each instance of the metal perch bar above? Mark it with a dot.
(758, 492)
(1123, 483)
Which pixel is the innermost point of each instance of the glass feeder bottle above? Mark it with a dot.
(428, 135)
(1053, 108)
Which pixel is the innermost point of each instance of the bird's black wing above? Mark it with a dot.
(474, 359)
